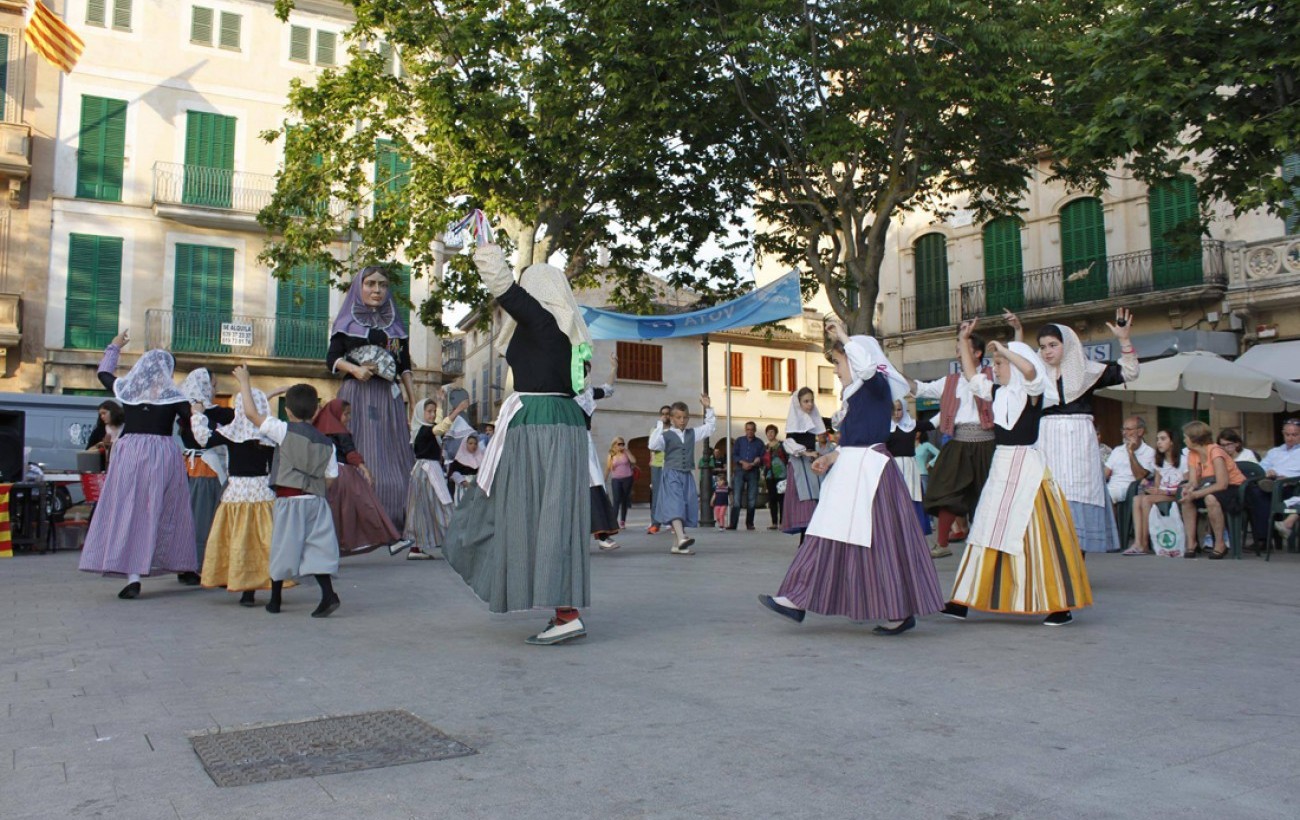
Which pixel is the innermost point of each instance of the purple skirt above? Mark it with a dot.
(796, 514)
(890, 580)
(381, 429)
(142, 523)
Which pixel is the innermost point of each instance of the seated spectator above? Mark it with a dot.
(1212, 481)
(1170, 473)
(1230, 441)
(1134, 460)
(1280, 462)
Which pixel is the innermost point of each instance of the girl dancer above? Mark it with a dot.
(1068, 437)
(206, 470)
(803, 426)
(1170, 475)
(522, 542)
(604, 523)
(360, 522)
(865, 557)
(678, 501)
(144, 526)
(238, 556)
(464, 467)
(1022, 556)
(428, 504)
(903, 430)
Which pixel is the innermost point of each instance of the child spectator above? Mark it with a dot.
(721, 498)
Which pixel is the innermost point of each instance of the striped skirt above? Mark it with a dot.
(426, 515)
(238, 556)
(143, 524)
(1048, 576)
(381, 429)
(1069, 443)
(890, 580)
(359, 519)
(796, 510)
(525, 545)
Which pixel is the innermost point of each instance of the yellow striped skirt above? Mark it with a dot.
(1048, 577)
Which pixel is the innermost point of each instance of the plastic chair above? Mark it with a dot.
(1124, 514)
(1277, 507)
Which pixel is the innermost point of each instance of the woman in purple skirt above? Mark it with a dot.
(803, 424)
(864, 556)
(144, 526)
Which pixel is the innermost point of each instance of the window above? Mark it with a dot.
(203, 25)
(101, 148)
(203, 296)
(1004, 269)
(1172, 212)
(640, 362)
(1083, 251)
(326, 46)
(231, 29)
(736, 370)
(1291, 175)
(826, 381)
(97, 13)
(391, 60)
(391, 173)
(931, 281)
(5, 42)
(791, 374)
(771, 373)
(302, 313)
(94, 290)
(300, 50)
(209, 159)
(399, 282)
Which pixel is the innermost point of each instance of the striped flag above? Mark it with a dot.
(52, 38)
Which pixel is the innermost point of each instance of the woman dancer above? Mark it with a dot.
(369, 339)
(1170, 475)
(145, 526)
(206, 470)
(903, 430)
(865, 557)
(1068, 436)
(428, 504)
(238, 556)
(464, 467)
(1022, 555)
(803, 426)
(521, 543)
(620, 467)
(359, 518)
(604, 522)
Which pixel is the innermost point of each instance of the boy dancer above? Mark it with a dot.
(302, 529)
(678, 499)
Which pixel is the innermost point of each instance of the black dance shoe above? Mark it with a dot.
(910, 623)
(793, 614)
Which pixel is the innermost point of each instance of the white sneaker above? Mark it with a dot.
(683, 547)
(399, 545)
(417, 555)
(607, 544)
(558, 633)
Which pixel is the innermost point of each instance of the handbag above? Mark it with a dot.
(1165, 526)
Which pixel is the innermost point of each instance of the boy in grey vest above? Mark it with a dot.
(303, 541)
(677, 500)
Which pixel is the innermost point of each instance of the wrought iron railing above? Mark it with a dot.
(280, 337)
(218, 188)
(453, 357)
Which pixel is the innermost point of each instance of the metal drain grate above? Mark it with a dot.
(349, 743)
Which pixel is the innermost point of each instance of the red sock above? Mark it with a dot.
(564, 614)
(945, 526)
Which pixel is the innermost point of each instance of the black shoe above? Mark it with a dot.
(131, 590)
(326, 607)
(1218, 556)
(909, 623)
(273, 607)
(957, 611)
(795, 615)
(189, 579)
(1058, 619)
(248, 599)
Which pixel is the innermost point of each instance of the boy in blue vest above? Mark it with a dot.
(678, 499)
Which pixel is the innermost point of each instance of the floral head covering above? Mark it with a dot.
(1077, 371)
(150, 381)
(241, 429)
(547, 284)
(197, 387)
(357, 319)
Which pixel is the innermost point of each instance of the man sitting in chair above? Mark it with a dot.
(1281, 462)
(1134, 460)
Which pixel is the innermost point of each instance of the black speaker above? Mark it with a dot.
(13, 431)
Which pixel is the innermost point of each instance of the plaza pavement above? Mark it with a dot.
(1176, 696)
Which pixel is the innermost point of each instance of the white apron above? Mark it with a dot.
(1069, 443)
(848, 494)
(1007, 503)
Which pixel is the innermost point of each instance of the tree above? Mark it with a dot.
(870, 109)
(575, 125)
(1165, 85)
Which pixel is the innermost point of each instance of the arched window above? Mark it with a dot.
(931, 281)
(1175, 252)
(1083, 251)
(1004, 269)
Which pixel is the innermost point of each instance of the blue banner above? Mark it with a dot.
(779, 299)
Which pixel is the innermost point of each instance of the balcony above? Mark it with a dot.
(453, 358)
(216, 197)
(1097, 286)
(205, 334)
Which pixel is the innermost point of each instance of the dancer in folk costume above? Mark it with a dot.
(604, 521)
(463, 469)
(429, 502)
(678, 500)
(864, 556)
(1068, 435)
(1022, 556)
(803, 424)
(206, 467)
(520, 541)
(238, 556)
(144, 526)
(360, 522)
(370, 349)
(957, 477)
(902, 446)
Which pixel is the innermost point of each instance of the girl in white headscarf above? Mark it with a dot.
(204, 467)
(803, 424)
(143, 524)
(1022, 555)
(902, 446)
(428, 502)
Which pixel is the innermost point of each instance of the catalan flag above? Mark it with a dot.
(52, 38)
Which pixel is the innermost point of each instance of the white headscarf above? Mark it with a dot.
(547, 284)
(241, 429)
(1011, 398)
(898, 385)
(1077, 372)
(150, 381)
(907, 424)
(197, 387)
(468, 459)
(417, 418)
(797, 421)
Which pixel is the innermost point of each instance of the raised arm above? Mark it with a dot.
(441, 428)
(1122, 328)
(656, 442)
(112, 353)
(246, 391)
(969, 368)
(706, 429)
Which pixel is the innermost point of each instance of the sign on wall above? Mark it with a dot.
(235, 334)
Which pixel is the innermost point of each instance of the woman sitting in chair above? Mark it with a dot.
(1213, 482)
(1171, 472)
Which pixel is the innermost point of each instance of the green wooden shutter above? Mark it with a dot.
(1172, 211)
(231, 28)
(1083, 248)
(302, 313)
(1173, 419)
(1291, 174)
(401, 285)
(94, 290)
(95, 12)
(932, 281)
(101, 149)
(201, 25)
(4, 74)
(209, 159)
(122, 15)
(203, 296)
(300, 44)
(1004, 270)
(326, 46)
(390, 173)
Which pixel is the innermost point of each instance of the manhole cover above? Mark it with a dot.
(330, 745)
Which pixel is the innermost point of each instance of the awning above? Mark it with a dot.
(1279, 359)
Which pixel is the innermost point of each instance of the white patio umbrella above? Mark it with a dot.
(1280, 359)
(1199, 379)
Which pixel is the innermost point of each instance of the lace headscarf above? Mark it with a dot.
(1012, 397)
(1078, 372)
(197, 387)
(150, 381)
(546, 284)
(241, 429)
(797, 421)
(356, 318)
